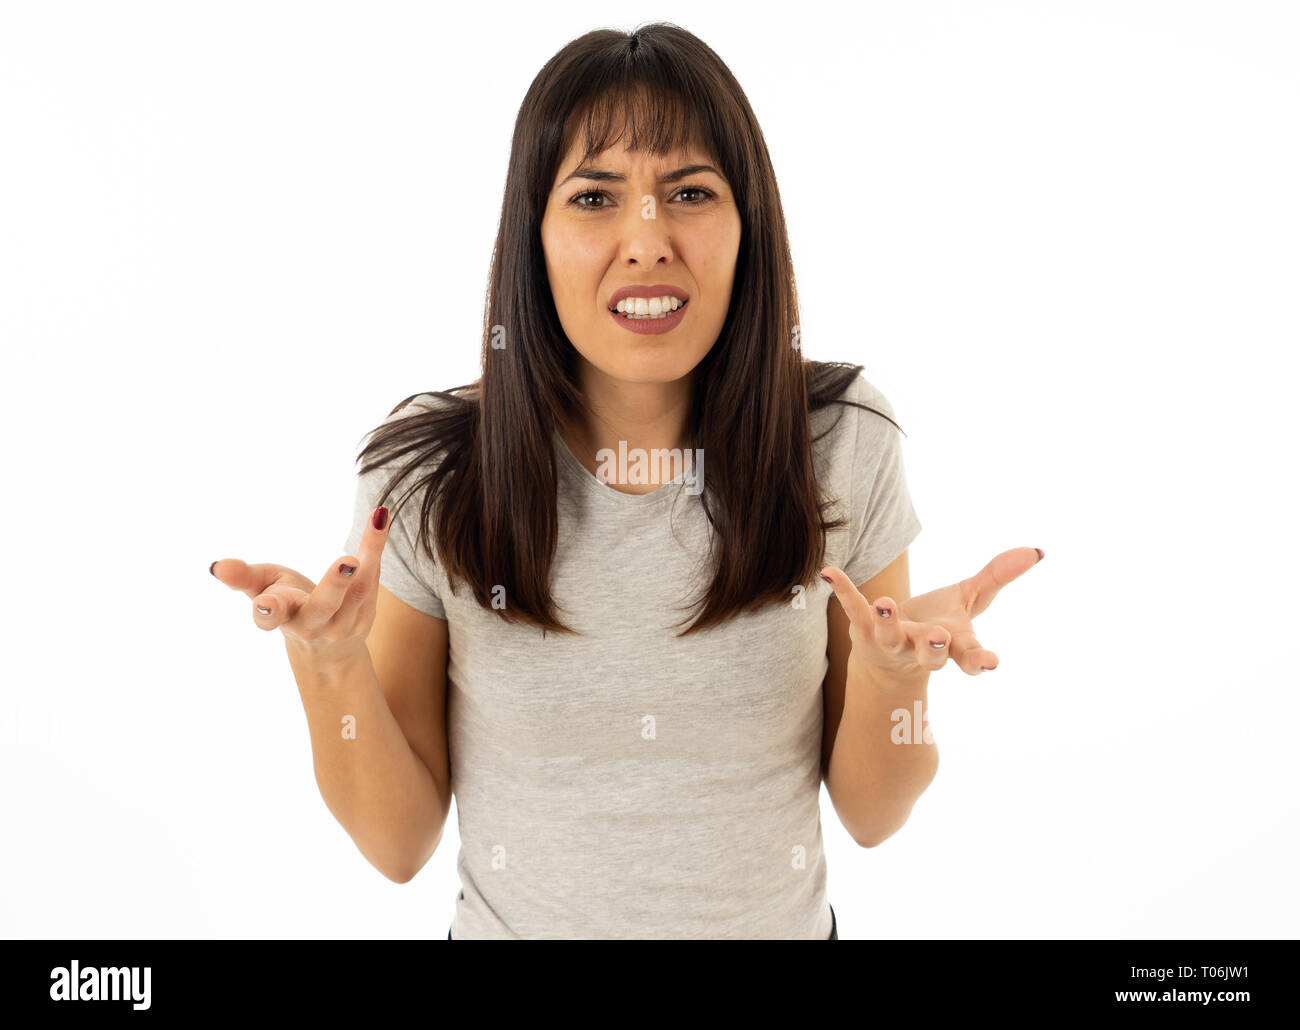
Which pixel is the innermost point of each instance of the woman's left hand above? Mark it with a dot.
(893, 642)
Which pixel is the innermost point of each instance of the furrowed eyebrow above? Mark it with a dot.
(602, 175)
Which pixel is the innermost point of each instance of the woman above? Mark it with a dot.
(601, 625)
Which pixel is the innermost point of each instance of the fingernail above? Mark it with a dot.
(347, 570)
(1040, 553)
(883, 612)
(988, 668)
(213, 566)
(827, 578)
(381, 517)
(264, 611)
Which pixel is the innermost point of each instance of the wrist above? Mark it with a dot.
(327, 666)
(888, 681)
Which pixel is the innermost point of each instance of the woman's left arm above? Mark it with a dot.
(878, 755)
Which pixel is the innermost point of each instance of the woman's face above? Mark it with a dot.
(628, 219)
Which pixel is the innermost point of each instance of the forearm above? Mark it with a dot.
(880, 762)
(371, 779)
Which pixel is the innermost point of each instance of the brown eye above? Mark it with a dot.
(706, 195)
(588, 193)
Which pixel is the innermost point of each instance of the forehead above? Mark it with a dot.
(622, 157)
(632, 127)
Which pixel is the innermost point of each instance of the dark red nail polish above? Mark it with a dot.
(827, 578)
(213, 566)
(1040, 553)
(381, 517)
(347, 570)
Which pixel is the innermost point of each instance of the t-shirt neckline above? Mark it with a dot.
(592, 485)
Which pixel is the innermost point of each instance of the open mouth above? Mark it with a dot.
(633, 315)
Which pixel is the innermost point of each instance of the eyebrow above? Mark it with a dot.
(602, 175)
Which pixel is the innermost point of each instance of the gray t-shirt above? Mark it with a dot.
(626, 783)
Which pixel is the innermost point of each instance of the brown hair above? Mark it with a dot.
(490, 493)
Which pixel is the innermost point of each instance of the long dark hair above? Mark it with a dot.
(489, 489)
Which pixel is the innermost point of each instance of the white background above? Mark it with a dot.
(1061, 237)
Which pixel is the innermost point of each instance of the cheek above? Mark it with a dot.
(576, 266)
(712, 253)
(714, 271)
(586, 254)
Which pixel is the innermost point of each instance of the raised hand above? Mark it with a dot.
(894, 642)
(329, 620)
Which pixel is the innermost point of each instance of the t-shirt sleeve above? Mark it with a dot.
(407, 573)
(882, 521)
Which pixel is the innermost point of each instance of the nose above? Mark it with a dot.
(646, 238)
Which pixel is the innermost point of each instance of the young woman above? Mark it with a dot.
(599, 621)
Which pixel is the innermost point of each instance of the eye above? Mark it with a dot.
(588, 193)
(708, 195)
(576, 200)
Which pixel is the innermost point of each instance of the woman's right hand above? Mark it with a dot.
(326, 621)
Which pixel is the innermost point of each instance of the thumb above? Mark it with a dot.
(1001, 570)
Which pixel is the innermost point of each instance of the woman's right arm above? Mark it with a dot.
(379, 736)
(371, 672)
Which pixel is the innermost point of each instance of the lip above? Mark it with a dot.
(651, 326)
(647, 292)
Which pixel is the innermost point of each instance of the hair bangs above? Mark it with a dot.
(646, 117)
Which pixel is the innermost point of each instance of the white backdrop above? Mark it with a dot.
(1061, 237)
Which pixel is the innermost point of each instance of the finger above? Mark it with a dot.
(370, 553)
(276, 605)
(888, 626)
(970, 655)
(851, 600)
(323, 602)
(254, 579)
(1007, 566)
(929, 643)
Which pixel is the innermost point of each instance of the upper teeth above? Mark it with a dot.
(651, 306)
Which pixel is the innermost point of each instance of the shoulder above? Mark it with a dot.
(421, 404)
(409, 443)
(433, 422)
(864, 392)
(861, 418)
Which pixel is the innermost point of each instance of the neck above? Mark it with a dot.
(648, 416)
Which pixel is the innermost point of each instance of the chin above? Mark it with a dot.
(650, 368)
